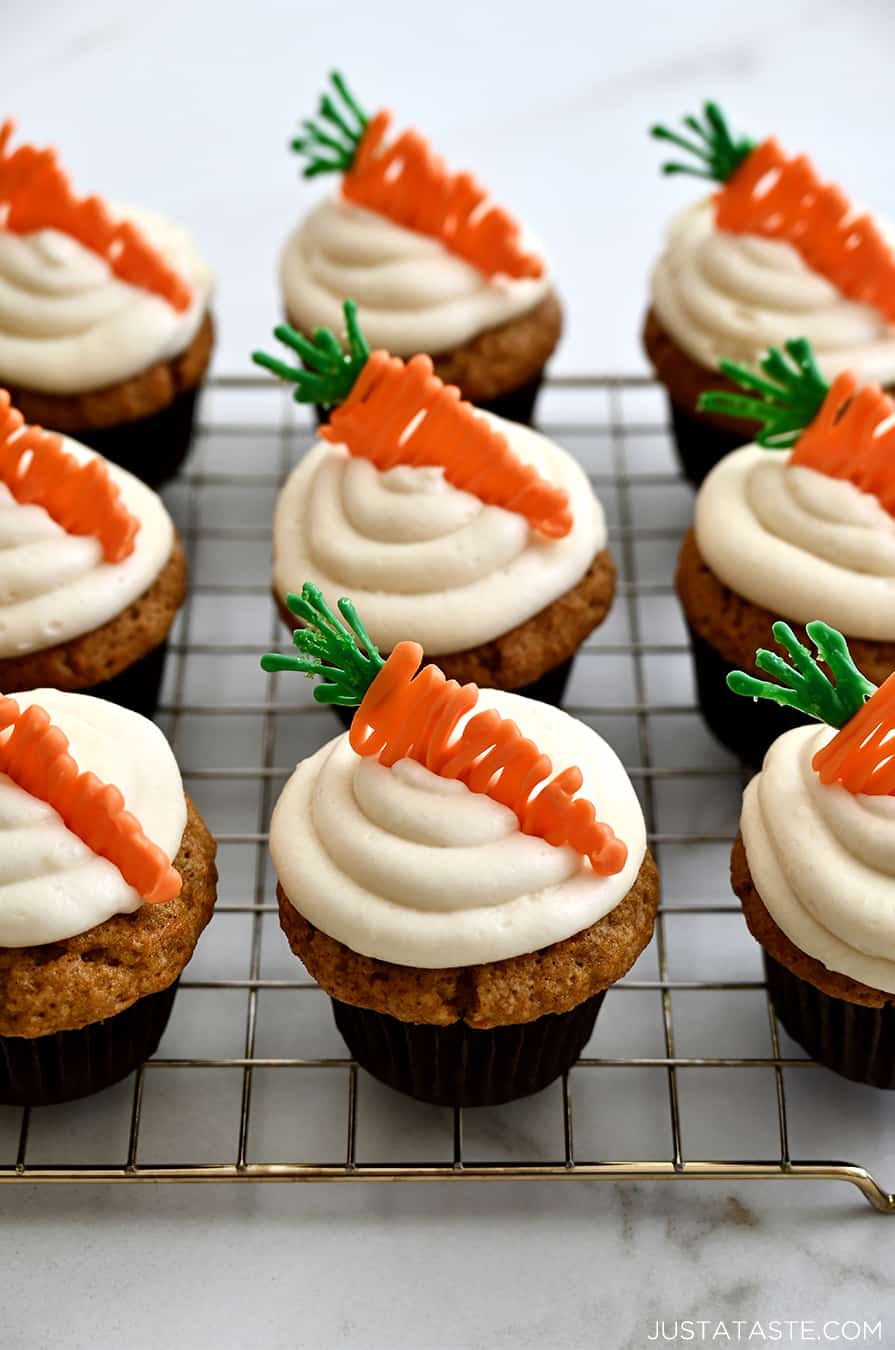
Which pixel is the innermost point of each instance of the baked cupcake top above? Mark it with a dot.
(90, 294)
(429, 258)
(92, 811)
(444, 521)
(818, 822)
(774, 251)
(80, 538)
(435, 834)
(804, 521)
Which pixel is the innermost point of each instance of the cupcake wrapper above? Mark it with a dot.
(699, 444)
(850, 1039)
(746, 726)
(549, 688)
(516, 405)
(152, 448)
(70, 1064)
(137, 687)
(459, 1066)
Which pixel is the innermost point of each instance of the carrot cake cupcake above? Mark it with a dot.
(773, 252)
(434, 264)
(801, 523)
(478, 536)
(463, 906)
(92, 573)
(814, 862)
(107, 881)
(105, 329)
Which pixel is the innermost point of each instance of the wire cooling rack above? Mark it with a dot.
(687, 1076)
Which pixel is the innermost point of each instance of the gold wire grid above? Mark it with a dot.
(277, 436)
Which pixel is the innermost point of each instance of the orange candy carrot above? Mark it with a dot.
(409, 715)
(38, 196)
(403, 414)
(409, 184)
(35, 755)
(862, 755)
(782, 198)
(843, 439)
(80, 497)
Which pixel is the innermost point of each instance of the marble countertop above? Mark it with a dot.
(187, 105)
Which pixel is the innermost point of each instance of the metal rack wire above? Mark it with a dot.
(617, 427)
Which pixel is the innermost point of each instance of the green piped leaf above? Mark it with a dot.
(716, 153)
(330, 144)
(802, 684)
(342, 655)
(327, 373)
(784, 403)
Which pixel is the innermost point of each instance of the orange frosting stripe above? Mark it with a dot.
(81, 498)
(37, 195)
(844, 440)
(404, 414)
(34, 754)
(782, 198)
(405, 715)
(862, 755)
(410, 184)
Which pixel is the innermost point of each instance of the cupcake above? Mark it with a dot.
(108, 880)
(92, 573)
(800, 523)
(814, 862)
(774, 251)
(436, 266)
(462, 906)
(478, 536)
(105, 330)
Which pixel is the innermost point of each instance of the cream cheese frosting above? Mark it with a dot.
(52, 886)
(412, 294)
(55, 586)
(400, 864)
(422, 559)
(721, 294)
(823, 861)
(799, 542)
(69, 325)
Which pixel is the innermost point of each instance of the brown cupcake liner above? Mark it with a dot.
(65, 1065)
(548, 688)
(699, 444)
(458, 1065)
(852, 1039)
(151, 448)
(137, 686)
(748, 727)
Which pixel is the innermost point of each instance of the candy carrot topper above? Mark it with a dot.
(764, 193)
(82, 498)
(407, 713)
(837, 429)
(861, 758)
(35, 194)
(407, 182)
(395, 413)
(34, 754)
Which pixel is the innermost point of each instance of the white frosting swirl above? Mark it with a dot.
(415, 869)
(721, 294)
(412, 294)
(798, 542)
(52, 886)
(55, 586)
(68, 324)
(823, 861)
(422, 559)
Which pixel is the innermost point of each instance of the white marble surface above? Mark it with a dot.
(189, 105)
